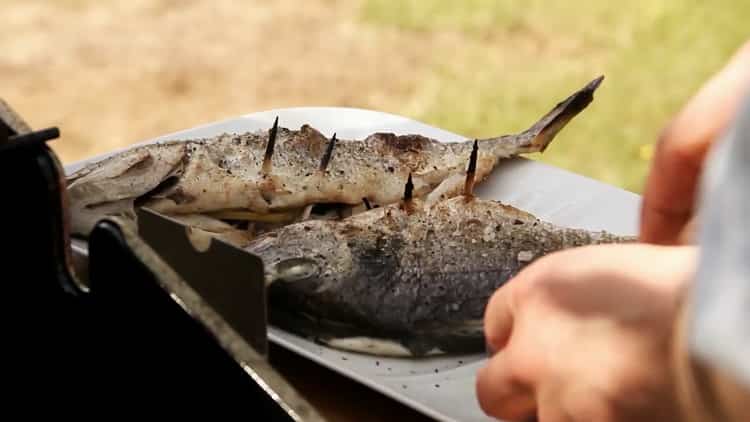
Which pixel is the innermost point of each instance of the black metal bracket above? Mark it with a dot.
(144, 328)
(160, 330)
(11, 122)
(228, 278)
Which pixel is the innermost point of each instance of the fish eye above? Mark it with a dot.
(295, 269)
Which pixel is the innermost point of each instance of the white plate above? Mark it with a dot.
(442, 388)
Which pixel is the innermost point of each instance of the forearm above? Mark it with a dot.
(704, 393)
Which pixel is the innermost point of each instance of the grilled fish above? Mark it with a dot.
(278, 174)
(407, 279)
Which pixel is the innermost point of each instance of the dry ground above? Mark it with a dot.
(113, 73)
(110, 73)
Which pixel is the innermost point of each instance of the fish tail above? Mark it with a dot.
(544, 131)
(538, 137)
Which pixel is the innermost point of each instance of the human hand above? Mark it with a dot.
(585, 335)
(667, 214)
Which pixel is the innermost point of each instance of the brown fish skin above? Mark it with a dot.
(421, 278)
(226, 172)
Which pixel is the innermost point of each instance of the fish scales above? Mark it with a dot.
(233, 164)
(422, 277)
(294, 180)
(227, 172)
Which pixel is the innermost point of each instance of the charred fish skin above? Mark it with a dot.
(421, 278)
(276, 170)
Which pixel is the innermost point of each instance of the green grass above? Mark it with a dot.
(499, 65)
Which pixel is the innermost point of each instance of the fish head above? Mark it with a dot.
(310, 255)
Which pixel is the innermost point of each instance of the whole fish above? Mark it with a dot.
(408, 279)
(277, 175)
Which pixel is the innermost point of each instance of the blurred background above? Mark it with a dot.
(112, 73)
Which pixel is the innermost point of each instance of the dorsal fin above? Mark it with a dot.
(269, 146)
(471, 172)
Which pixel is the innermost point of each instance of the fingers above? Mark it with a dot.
(554, 326)
(670, 190)
(501, 394)
(498, 319)
(501, 391)
(502, 306)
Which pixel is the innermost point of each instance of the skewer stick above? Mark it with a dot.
(471, 172)
(269, 146)
(327, 155)
(321, 172)
(408, 201)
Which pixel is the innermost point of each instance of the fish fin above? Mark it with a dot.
(545, 130)
(266, 168)
(457, 337)
(448, 188)
(471, 173)
(441, 339)
(538, 137)
(420, 345)
(341, 336)
(305, 215)
(373, 346)
(213, 227)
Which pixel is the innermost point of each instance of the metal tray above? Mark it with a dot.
(442, 388)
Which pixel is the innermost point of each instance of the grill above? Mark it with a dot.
(137, 319)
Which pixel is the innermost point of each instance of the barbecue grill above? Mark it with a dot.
(142, 306)
(138, 319)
